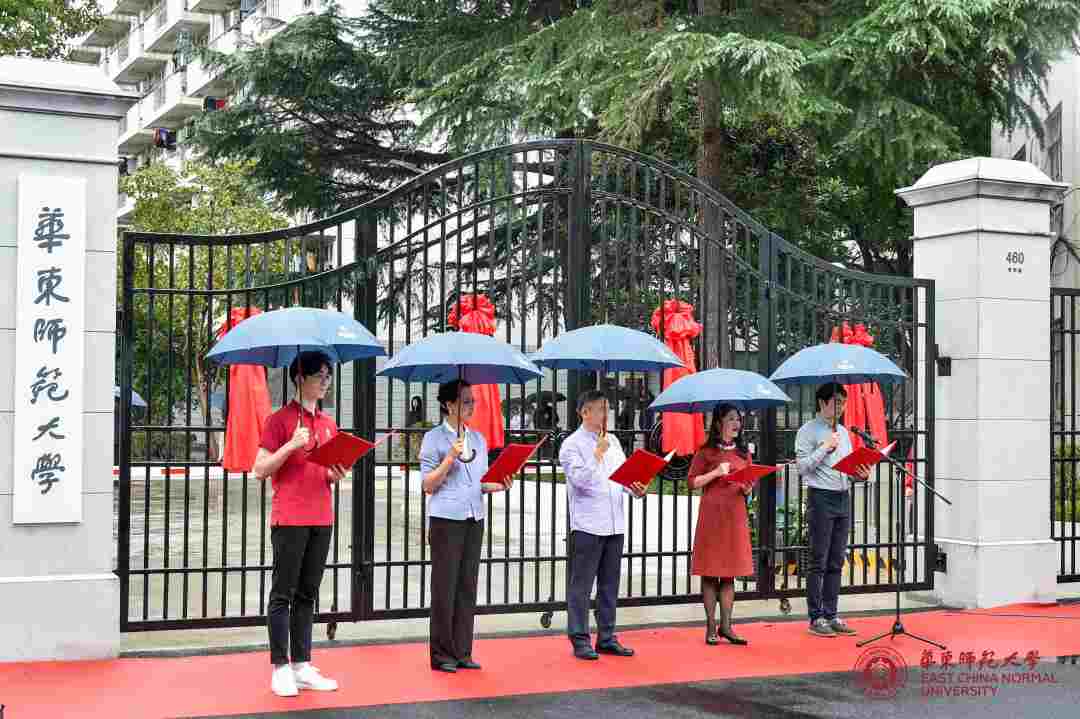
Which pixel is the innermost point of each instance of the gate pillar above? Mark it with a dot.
(982, 233)
(58, 164)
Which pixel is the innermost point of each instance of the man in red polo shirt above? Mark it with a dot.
(301, 522)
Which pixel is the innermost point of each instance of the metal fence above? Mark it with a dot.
(1064, 453)
(557, 234)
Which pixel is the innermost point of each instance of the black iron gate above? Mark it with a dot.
(1064, 451)
(557, 235)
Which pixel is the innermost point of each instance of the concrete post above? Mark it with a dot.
(982, 233)
(59, 124)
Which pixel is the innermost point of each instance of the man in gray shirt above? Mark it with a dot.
(828, 507)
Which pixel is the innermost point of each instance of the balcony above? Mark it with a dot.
(270, 16)
(168, 103)
(165, 23)
(133, 7)
(203, 81)
(112, 27)
(125, 207)
(134, 136)
(213, 5)
(128, 62)
(90, 54)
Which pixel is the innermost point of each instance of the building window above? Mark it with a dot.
(1052, 142)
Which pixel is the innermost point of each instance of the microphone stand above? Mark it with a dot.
(898, 626)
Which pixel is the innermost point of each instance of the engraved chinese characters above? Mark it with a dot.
(50, 350)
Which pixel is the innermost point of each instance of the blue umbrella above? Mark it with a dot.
(475, 358)
(704, 391)
(136, 400)
(274, 339)
(837, 362)
(603, 348)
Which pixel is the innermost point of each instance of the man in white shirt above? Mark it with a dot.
(597, 524)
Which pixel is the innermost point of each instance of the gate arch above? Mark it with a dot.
(558, 234)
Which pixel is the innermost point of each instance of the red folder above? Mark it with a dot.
(641, 466)
(344, 450)
(510, 461)
(750, 474)
(861, 456)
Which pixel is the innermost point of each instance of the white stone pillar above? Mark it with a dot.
(982, 233)
(59, 124)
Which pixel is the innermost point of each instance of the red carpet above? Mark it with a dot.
(390, 674)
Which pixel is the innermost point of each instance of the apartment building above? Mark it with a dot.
(1058, 155)
(150, 45)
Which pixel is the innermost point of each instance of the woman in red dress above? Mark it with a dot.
(722, 540)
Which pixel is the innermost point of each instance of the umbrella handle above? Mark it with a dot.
(462, 435)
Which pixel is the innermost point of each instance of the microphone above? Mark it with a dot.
(869, 439)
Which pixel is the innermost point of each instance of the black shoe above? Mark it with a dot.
(585, 652)
(468, 664)
(733, 637)
(613, 647)
(445, 667)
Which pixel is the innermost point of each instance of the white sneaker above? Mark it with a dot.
(307, 676)
(282, 681)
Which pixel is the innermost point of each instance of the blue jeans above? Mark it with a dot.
(829, 520)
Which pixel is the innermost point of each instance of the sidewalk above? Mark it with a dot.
(398, 674)
(201, 641)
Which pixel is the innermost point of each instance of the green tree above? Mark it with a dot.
(316, 110)
(879, 90)
(806, 114)
(43, 28)
(178, 330)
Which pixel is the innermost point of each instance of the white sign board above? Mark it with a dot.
(50, 350)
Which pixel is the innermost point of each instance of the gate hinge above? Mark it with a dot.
(940, 560)
(944, 364)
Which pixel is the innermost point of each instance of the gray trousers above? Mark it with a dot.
(829, 520)
(596, 559)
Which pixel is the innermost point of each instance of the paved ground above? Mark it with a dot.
(783, 672)
(790, 697)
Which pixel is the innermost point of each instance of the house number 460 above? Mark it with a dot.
(1015, 261)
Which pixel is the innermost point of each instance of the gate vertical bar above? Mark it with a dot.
(578, 306)
(123, 554)
(929, 352)
(767, 355)
(363, 529)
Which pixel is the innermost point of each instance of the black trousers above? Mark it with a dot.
(455, 570)
(299, 561)
(598, 559)
(829, 520)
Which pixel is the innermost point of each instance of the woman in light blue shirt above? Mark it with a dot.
(455, 525)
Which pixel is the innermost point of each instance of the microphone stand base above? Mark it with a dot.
(898, 630)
